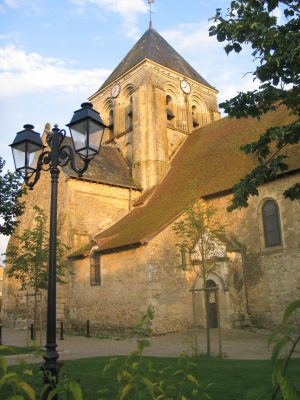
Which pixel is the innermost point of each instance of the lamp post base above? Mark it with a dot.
(50, 369)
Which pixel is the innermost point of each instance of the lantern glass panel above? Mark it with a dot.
(26, 155)
(79, 136)
(95, 137)
(87, 136)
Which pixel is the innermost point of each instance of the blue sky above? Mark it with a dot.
(56, 53)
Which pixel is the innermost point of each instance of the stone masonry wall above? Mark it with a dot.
(254, 282)
(121, 299)
(272, 274)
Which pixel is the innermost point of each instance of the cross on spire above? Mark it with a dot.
(150, 2)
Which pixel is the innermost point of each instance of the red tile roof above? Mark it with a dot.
(208, 162)
(108, 167)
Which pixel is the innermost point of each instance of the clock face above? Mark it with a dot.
(185, 86)
(115, 90)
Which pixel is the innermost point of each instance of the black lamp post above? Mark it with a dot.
(30, 159)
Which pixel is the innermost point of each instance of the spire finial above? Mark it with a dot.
(150, 2)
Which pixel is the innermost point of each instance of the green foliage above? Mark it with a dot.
(275, 46)
(28, 261)
(66, 389)
(137, 379)
(284, 343)
(14, 384)
(10, 204)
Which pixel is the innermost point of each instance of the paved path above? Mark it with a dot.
(236, 344)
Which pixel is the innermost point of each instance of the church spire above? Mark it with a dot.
(150, 2)
(151, 46)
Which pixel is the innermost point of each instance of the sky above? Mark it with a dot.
(54, 54)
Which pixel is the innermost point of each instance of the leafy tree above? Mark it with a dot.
(10, 204)
(275, 44)
(28, 261)
(201, 236)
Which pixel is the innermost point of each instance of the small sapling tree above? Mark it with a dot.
(200, 235)
(28, 260)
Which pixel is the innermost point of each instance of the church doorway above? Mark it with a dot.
(211, 293)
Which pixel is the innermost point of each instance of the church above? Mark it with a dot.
(165, 148)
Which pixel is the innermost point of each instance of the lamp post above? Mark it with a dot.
(30, 158)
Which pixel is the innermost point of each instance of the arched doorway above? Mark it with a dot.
(211, 294)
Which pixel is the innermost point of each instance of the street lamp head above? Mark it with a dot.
(26, 149)
(86, 128)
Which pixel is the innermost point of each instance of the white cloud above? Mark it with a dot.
(12, 3)
(192, 37)
(32, 73)
(28, 6)
(127, 9)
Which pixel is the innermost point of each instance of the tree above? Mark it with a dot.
(275, 46)
(10, 204)
(28, 261)
(201, 238)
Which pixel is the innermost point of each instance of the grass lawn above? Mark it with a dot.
(232, 379)
(13, 350)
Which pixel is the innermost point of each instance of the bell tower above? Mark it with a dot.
(151, 102)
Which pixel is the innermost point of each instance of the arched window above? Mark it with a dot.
(129, 116)
(95, 269)
(108, 117)
(170, 108)
(271, 223)
(111, 119)
(111, 123)
(195, 116)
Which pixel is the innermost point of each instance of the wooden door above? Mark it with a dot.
(211, 294)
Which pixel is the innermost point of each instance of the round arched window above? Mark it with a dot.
(271, 222)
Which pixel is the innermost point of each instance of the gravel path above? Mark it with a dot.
(236, 344)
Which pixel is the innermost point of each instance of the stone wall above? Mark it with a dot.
(272, 275)
(150, 275)
(254, 282)
(120, 300)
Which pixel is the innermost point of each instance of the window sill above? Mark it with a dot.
(271, 250)
(176, 128)
(118, 135)
(95, 284)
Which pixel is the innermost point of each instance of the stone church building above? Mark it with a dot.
(165, 148)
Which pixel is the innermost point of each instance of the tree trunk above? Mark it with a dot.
(219, 324)
(207, 323)
(196, 344)
(35, 315)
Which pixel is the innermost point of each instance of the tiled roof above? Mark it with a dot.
(208, 162)
(108, 167)
(153, 46)
(82, 251)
